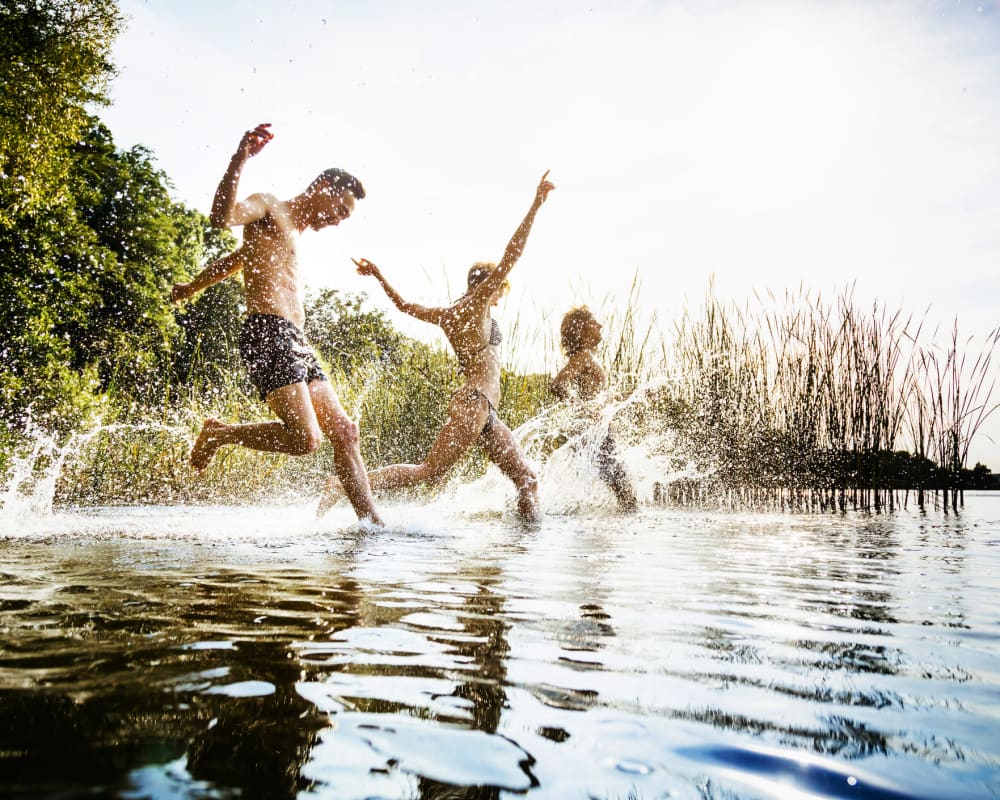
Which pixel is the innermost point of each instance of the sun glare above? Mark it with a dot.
(778, 116)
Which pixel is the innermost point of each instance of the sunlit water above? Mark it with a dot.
(255, 652)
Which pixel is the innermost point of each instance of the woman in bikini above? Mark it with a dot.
(583, 377)
(475, 337)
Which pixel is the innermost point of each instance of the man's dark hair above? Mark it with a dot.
(338, 180)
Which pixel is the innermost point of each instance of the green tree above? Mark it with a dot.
(350, 337)
(54, 62)
(207, 353)
(39, 369)
(84, 295)
(145, 242)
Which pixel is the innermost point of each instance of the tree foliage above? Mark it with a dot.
(350, 337)
(207, 351)
(54, 62)
(83, 296)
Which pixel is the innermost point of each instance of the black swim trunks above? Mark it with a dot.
(276, 353)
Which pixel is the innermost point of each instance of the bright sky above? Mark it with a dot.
(767, 144)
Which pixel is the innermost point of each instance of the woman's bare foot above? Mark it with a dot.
(527, 506)
(625, 494)
(333, 493)
(207, 443)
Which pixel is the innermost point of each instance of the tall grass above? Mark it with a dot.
(786, 401)
(959, 398)
(804, 403)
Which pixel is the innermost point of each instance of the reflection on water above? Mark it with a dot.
(216, 652)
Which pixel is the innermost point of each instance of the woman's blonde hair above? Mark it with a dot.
(479, 271)
(571, 329)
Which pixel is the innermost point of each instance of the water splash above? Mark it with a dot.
(28, 491)
(568, 443)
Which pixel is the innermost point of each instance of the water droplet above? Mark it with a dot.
(631, 767)
(623, 728)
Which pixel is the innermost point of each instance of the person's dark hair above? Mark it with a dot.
(571, 329)
(338, 180)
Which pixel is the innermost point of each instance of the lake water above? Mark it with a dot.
(221, 652)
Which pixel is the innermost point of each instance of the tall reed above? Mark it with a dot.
(809, 401)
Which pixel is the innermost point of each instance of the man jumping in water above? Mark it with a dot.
(277, 356)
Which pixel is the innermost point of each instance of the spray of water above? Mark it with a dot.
(566, 442)
(569, 442)
(28, 490)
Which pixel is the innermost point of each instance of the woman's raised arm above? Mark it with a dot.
(495, 280)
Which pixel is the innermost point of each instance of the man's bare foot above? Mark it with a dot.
(333, 494)
(207, 443)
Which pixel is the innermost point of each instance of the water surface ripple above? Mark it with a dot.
(217, 652)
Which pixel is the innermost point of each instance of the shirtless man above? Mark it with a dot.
(277, 356)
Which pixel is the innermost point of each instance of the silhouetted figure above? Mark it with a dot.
(584, 378)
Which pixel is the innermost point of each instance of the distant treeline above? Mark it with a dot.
(903, 470)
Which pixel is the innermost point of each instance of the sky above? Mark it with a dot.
(756, 145)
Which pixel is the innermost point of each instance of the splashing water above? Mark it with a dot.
(28, 495)
(565, 442)
(569, 442)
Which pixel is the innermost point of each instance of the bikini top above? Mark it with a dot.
(496, 337)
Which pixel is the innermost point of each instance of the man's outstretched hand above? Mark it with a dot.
(253, 141)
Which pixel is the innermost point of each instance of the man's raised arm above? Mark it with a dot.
(226, 212)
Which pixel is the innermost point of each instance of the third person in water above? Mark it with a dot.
(582, 378)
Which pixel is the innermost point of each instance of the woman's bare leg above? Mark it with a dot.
(466, 418)
(502, 450)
